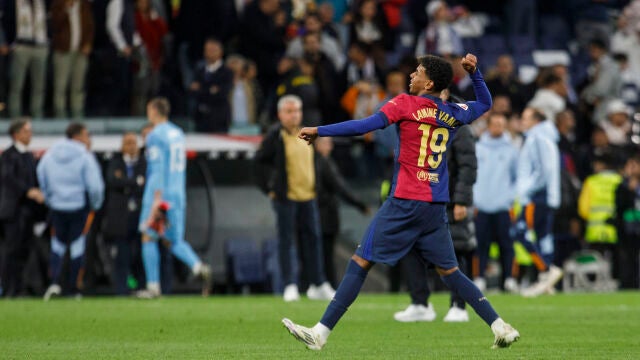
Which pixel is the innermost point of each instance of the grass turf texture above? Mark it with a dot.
(585, 326)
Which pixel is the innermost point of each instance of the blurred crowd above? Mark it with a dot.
(225, 64)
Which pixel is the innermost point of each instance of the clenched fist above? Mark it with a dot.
(469, 63)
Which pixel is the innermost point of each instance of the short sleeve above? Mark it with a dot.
(396, 108)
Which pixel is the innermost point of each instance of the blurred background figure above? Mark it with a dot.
(148, 56)
(71, 181)
(20, 200)
(125, 178)
(211, 88)
(331, 187)
(73, 30)
(26, 30)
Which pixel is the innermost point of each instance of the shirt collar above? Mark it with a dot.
(215, 66)
(22, 148)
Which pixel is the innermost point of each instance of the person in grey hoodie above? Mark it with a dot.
(493, 196)
(71, 181)
(538, 191)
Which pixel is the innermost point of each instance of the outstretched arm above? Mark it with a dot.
(346, 128)
(483, 96)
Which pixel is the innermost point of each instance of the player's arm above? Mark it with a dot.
(483, 96)
(346, 128)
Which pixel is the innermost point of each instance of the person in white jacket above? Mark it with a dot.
(538, 191)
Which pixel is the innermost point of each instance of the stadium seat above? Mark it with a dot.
(244, 261)
(492, 44)
(521, 44)
(587, 270)
(554, 32)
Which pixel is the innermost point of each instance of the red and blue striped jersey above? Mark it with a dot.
(425, 126)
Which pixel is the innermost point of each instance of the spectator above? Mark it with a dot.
(329, 46)
(628, 220)
(20, 198)
(125, 180)
(262, 38)
(72, 28)
(360, 66)
(211, 88)
(625, 41)
(361, 99)
(597, 205)
(288, 177)
(617, 124)
(566, 225)
(550, 97)
(121, 28)
(370, 27)
(538, 192)
(325, 75)
(605, 82)
(148, 56)
(331, 184)
(4, 52)
(71, 181)
(300, 81)
(25, 25)
(630, 78)
(493, 196)
(243, 93)
(440, 37)
(504, 81)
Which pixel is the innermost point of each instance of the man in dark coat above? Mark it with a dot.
(331, 185)
(211, 88)
(125, 178)
(19, 199)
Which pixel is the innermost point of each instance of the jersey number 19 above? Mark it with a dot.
(434, 143)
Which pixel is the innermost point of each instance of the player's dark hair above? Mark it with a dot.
(162, 106)
(438, 70)
(74, 129)
(17, 125)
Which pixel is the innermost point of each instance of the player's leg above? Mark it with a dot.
(387, 239)
(457, 311)
(59, 243)
(547, 278)
(183, 250)
(151, 262)
(436, 247)
(346, 294)
(523, 227)
(416, 272)
(79, 225)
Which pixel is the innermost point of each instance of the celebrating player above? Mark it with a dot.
(164, 199)
(414, 215)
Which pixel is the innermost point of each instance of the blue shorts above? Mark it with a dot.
(400, 225)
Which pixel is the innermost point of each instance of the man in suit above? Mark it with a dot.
(125, 180)
(211, 89)
(18, 205)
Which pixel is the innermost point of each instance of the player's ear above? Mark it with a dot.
(428, 85)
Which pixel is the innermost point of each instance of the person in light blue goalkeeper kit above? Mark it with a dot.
(166, 183)
(72, 185)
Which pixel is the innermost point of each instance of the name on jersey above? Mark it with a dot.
(431, 113)
(427, 176)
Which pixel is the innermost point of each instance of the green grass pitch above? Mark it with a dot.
(584, 326)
